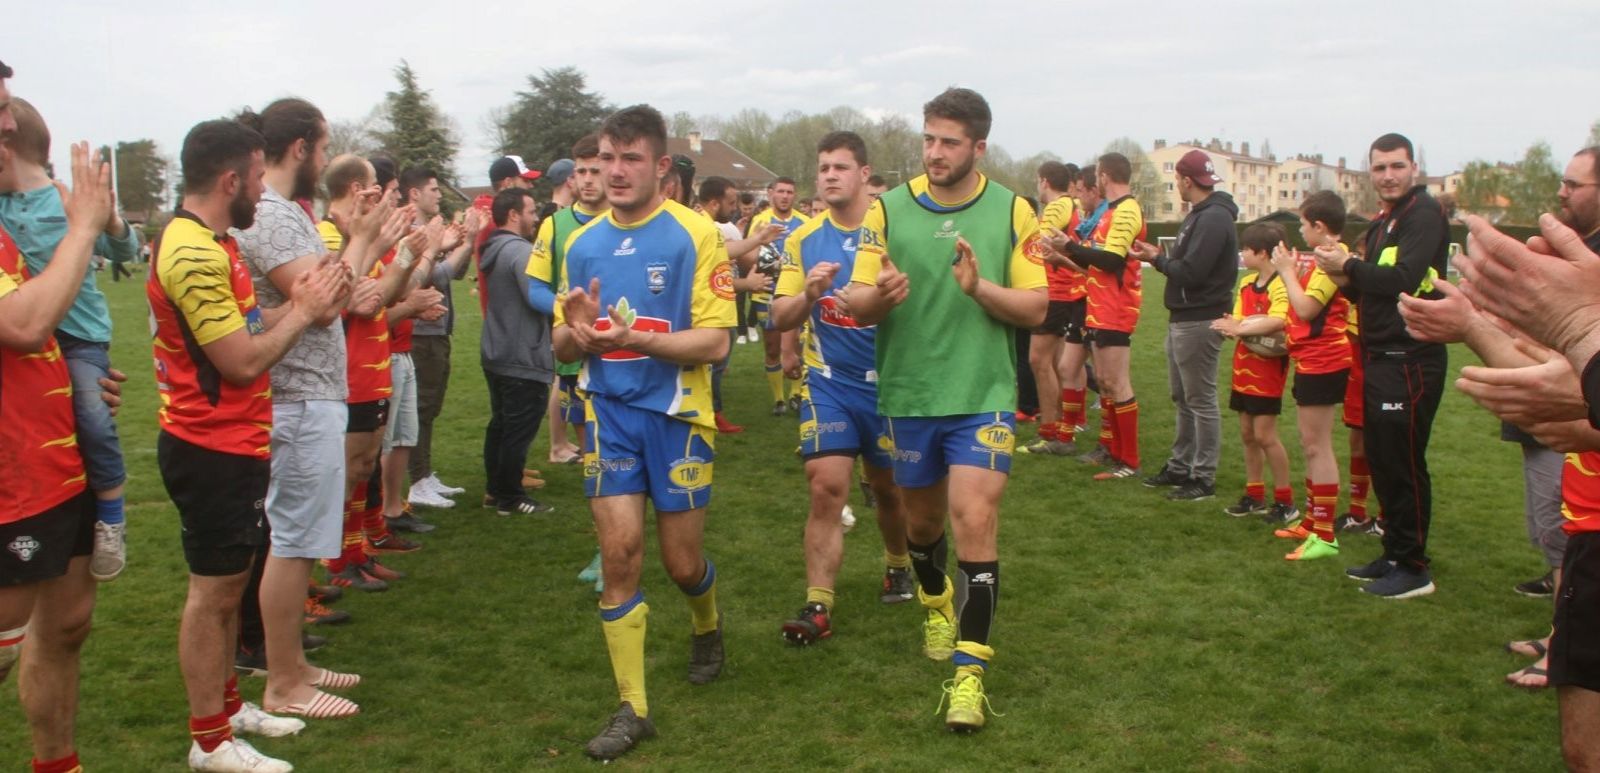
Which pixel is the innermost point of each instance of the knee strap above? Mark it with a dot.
(11, 647)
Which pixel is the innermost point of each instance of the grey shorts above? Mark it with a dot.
(402, 428)
(305, 500)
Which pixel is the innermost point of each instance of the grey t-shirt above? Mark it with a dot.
(439, 279)
(314, 369)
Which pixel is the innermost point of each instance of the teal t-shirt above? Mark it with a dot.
(38, 222)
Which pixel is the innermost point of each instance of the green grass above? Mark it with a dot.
(1133, 633)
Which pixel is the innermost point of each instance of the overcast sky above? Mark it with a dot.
(1464, 80)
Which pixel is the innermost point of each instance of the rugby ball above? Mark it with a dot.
(769, 261)
(1267, 344)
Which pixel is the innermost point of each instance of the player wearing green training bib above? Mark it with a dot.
(949, 265)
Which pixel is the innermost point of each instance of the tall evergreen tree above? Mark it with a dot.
(556, 111)
(417, 132)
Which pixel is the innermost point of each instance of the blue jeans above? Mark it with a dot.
(87, 363)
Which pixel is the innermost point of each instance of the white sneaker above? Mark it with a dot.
(426, 497)
(110, 551)
(847, 517)
(438, 487)
(754, 334)
(235, 756)
(741, 340)
(251, 719)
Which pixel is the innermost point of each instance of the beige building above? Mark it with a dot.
(1250, 179)
(1303, 175)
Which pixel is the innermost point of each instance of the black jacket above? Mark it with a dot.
(1203, 266)
(1416, 229)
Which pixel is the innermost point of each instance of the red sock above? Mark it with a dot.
(231, 702)
(373, 523)
(1072, 405)
(1324, 501)
(1255, 490)
(1126, 417)
(1049, 431)
(350, 550)
(210, 732)
(1283, 496)
(1360, 482)
(67, 764)
(1108, 427)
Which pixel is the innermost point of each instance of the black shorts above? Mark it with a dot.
(367, 417)
(221, 500)
(1575, 645)
(1255, 405)
(1059, 319)
(1320, 388)
(1108, 338)
(39, 547)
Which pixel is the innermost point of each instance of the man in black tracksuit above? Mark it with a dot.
(1406, 249)
(1201, 272)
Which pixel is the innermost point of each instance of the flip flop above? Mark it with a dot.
(1535, 646)
(323, 706)
(1515, 678)
(334, 680)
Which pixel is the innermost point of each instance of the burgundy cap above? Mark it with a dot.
(1197, 166)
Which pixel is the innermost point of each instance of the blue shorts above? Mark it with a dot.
(628, 450)
(925, 448)
(87, 363)
(836, 419)
(571, 405)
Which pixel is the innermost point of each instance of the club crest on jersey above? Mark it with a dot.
(625, 248)
(25, 547)
(656, 277)
(1034, 249)
(947, 231)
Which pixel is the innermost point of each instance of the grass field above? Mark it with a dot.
(1133, 633)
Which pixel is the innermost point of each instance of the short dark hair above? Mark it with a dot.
(848, 140)
(1391, 142)
(5, 72)
(1057, 175)
(213, 148)
(1324, 207)
(780, 181)
(506, 202)
(714, 188)
(283, 122)
(634, 123)
(343, 171)
(1261, 237)
(747, 198)
(683, 167)
(877, 181)
(587, 146)
(414, 177)
(384, 168)
(964, 106)
(1117, 167)
(1087, 175)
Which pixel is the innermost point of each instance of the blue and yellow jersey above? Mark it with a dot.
(790, 225)
(666, 273)
(838, 348)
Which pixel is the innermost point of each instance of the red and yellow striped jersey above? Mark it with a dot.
(1066, 282)
(199, 291)
(1319, 345)
(39, 462)
(1580, 493)
(366, 339)
(1252, 373)
(1114, 300)
(400, 334)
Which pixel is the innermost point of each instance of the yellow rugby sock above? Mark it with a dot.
(703, 602)
(624, 627)
(823, 596)
(775, 382)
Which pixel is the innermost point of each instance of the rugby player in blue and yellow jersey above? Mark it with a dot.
(782, 213)
(839, 419)
(949, 265)
(647, 312)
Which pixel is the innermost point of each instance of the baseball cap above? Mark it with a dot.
(510, 166)
(559, 171)
(1197, 166)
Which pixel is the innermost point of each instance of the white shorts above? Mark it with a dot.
(402, 429)
(305, 500)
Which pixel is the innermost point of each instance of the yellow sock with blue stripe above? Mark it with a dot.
(823, 596)
(703, 602)
(971, 657)
(624, 627)
(775, 382)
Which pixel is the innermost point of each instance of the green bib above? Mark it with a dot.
(939, 353)
(565, 223)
